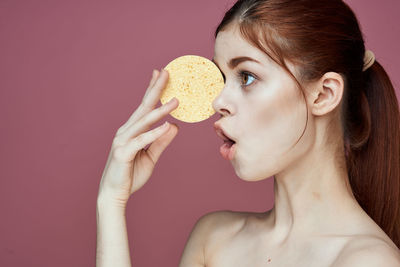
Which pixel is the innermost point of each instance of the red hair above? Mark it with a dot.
(322, 36)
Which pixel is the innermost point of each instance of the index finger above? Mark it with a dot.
(150, 98)
(152, 95)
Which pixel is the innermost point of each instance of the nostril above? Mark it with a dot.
(224, 111)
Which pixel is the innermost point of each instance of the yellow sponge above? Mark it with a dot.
(195, 81)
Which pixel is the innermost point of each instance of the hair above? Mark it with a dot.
(322, 36)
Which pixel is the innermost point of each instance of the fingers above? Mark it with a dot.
(158, 146)
(150, 99)
(156, 73)
(147, 120)
(152, 95)
(128, 151)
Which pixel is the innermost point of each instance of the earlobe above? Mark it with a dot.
(327, 93)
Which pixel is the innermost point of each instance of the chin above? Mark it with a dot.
(252, 174)
(253, 168)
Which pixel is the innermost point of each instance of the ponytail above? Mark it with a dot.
(373, 151)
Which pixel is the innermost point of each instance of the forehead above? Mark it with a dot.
(229, 44)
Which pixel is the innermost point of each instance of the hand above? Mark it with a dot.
(129, 165)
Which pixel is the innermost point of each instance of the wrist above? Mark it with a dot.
(108, 202)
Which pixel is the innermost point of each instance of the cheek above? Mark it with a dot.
(279, 118)
(276, 121)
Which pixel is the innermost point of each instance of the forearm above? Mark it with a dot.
(112, 237)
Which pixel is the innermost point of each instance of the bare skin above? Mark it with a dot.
(244, 241)
(129, 166)
(315, 221)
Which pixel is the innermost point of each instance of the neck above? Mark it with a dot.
(311, 199)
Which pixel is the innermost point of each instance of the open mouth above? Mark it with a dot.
(227, 150)
(229, 142)
(226, 139)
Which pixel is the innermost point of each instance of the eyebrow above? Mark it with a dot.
(236, 61)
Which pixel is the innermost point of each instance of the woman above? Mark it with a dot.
(320, 115)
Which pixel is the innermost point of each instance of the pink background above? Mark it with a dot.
(71, 73)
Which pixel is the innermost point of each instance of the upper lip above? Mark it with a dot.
(222, 133)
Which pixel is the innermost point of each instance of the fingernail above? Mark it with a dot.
(165, 124)
(154, 72)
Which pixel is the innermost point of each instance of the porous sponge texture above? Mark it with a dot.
(195, 81)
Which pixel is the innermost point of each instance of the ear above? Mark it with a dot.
(327, 93)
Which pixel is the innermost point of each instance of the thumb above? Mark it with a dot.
(158, 146)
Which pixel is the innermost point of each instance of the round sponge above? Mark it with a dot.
(195, 81)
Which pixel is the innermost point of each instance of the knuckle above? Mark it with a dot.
(119, 153)
(160, 110)
(149, 118)
(144, 105)
(117, 141)
(165, 107)
(119, 131)
(140, 138)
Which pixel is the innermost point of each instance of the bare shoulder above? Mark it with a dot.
(368, 251)
(222, 225)
(208, 233)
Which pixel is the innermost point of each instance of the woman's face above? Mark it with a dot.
(262, 109)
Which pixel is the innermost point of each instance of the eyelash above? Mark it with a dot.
(240, 74)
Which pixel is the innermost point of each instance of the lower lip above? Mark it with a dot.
(227, 151)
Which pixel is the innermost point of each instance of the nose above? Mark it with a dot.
(219, 105)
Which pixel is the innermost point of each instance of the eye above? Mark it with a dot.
(244, 77)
